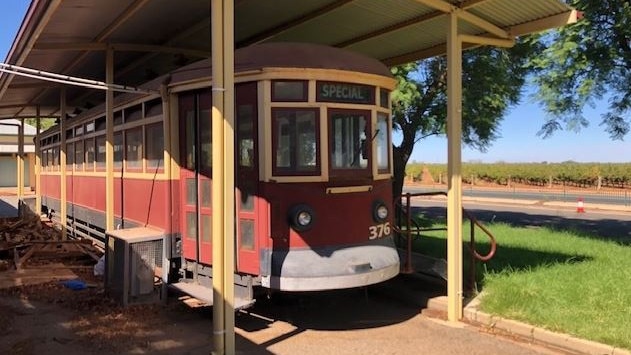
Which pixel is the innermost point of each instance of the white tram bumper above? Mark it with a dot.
(330, 268)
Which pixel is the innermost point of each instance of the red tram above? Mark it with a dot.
(313, 168)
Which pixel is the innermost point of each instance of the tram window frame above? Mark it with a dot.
(133, 113)
(100, 153)
(365, 146)
(70, 155)
(100, 124)
(384, 98)
(294, 169)
(118, 146)
(378, 137)
(90, 153)
(154, 151)
(136, 164)
(153, 108)
(277, 91)
(118, 118)
(79, 153)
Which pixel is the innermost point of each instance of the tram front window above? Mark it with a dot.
(295, 142)
(350, 145)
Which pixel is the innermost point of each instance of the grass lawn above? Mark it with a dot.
(563, 281)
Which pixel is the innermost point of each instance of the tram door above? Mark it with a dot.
(247, 177)
(195, 175)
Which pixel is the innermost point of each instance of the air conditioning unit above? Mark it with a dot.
(135, 260)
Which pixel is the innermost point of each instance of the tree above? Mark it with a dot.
(492, 82)
(586, 62)
(45, 123)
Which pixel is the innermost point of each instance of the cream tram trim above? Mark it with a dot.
(348, 189)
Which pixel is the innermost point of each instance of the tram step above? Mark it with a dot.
(205, 294)
(425, 264)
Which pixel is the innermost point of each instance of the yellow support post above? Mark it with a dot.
(62, 163)
(454, 193)
(109, 139)
(222, 36)
(20, 163)
(38, 163)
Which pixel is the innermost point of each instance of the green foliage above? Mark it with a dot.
(586, 62)
(492, 80)
(45, 123)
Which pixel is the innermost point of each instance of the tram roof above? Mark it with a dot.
(153, 37)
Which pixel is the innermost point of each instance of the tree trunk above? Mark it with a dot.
(401, 155)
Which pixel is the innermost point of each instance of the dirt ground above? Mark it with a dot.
(48, 318)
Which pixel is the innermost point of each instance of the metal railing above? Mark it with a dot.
(412, 226)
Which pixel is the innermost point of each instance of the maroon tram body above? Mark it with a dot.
(313, 168)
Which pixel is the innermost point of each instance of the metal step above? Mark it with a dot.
(424, 264)
(205, 294)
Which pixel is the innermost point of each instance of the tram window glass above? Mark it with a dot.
(89, 127)
(69, 154)
(78, 154)
(383, 143)
(100, 124)
(155, 146)
(206, 228)
(78, 130)
(191, 225)
(118, 118)
(133, 148)
(289, 90)
(247, 234)
(56, 156)
(118, 150)
(384, 98)
(89, 154)
(133, 113)
(295, 142)
(190, 139)
(349, 144)
(69, 133)
(153, 108)
(245, 118)
(205, 140)
(100, 152)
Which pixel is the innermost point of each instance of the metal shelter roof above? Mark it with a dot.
(152, 37)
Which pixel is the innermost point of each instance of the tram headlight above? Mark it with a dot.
(380, 211)
(301, 217)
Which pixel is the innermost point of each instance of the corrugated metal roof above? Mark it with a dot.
(152, 37)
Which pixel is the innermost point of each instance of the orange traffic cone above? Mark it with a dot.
(580, 208)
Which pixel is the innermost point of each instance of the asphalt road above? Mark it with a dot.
(604, 224)
(622, 198)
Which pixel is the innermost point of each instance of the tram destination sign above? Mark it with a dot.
(328, 91)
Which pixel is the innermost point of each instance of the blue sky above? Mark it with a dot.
(518, 143)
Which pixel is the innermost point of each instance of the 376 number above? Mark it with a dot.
(378, 231)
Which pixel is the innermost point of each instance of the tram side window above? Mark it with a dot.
(155, 146)
(383, 143)
(89, 154)
(78, 155)
(69, 155)
(296, 142)
(56, 157)
(118, 150)
(100, 153)
(349, 143)
(133, 148)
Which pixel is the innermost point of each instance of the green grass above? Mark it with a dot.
(563, 281)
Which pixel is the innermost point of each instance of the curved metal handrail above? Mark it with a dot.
(408, 231)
